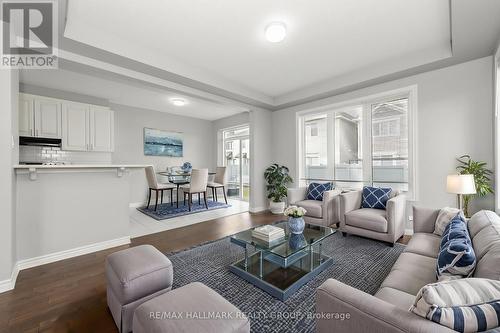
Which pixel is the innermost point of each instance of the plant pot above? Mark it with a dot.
(296, 224)
(277, 207)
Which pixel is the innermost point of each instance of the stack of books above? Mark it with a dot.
(268, 233)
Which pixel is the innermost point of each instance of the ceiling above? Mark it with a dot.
(222, 42)
(127, 93)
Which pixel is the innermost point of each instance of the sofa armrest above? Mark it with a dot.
(349, 201)
(295, 195)
(396, 208)
(424, 219)
(363, 313)
(331, 206)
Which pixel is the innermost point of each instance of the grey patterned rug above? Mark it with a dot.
(358, 262)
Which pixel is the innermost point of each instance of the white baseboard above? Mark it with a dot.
(257, 209)
(136, 204)
(57, 256)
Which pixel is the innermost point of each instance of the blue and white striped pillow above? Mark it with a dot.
(465, 305)
(456, 258)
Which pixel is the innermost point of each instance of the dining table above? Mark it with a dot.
(179, 179)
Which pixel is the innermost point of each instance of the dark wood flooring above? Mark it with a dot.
(70, 295)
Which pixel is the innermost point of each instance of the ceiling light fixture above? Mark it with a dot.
(178, 101)
(275, 32)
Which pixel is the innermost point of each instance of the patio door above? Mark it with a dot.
(236, 144)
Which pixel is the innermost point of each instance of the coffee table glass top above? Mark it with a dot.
(291, 244)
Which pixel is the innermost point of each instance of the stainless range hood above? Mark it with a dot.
(44, 142)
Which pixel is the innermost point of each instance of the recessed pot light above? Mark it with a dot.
(275, 32)
(178, 101)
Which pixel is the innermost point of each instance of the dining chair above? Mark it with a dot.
(198, 185)
(218, 182)
(154, 185)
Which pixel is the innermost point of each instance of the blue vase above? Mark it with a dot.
(297, 241)
(296, 224)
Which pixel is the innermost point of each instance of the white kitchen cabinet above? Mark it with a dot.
(101, 129)
(26, 116)
(87, 128)
(47, 118)
(75, 127)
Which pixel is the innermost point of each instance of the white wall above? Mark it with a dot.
(129, 149)
(455, 117)
(9, 83)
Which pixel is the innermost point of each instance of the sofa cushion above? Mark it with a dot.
(314, 208)
(375, 197)
(367, 218)
(424, 244)
(456, 256)
(411, 272)
(444, 217)
(315, 190)
(465, 305)
(396, 297)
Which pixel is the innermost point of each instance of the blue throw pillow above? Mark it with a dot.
(315, 190)
(375, 197)
(456, 256)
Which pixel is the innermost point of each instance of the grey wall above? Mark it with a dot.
(9, 83)
(129, 127)
(455, 116)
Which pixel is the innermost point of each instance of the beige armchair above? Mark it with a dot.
(386, 225)
(322, 213)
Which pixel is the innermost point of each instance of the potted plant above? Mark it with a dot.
(481, 178)
(277, 179)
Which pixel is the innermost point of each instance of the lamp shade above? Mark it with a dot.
(460, 184)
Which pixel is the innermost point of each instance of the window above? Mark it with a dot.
(366, 143)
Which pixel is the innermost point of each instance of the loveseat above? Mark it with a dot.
(388, 309)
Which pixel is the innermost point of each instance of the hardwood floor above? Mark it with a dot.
(70, 295)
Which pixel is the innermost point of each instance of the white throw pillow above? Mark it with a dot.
(444, 217)
(464, 305)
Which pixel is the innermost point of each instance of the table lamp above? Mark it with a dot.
(460, 185)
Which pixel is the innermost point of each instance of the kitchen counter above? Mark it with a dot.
(34, 169)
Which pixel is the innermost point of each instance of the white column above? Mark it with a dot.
(9, 90)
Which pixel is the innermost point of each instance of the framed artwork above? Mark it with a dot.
(162, 143)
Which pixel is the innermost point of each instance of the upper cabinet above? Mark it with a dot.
(47, 118)
(82, 127)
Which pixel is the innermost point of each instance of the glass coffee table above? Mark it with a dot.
(282, 267)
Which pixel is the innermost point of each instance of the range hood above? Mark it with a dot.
(44, 142)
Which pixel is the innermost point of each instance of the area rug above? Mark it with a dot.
(358, 262)
(166, 211)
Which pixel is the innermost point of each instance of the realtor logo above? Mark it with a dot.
(29, 34)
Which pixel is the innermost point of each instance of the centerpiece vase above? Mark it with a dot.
(296, 224)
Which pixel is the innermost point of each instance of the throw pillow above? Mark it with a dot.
(315, 190)
(375, 197)
(466, 305)
(444, 217)
(456, 258)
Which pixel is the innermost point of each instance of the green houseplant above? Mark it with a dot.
(277, 178)
(482, 180)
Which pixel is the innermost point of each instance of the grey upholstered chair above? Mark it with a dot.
(322, 213)
(154, 185)
(198, 185)
(218, 182)
(386, 225)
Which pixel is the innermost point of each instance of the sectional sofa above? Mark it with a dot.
(388, 310)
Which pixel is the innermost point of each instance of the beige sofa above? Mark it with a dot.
(385, 225)
(387, 310)
(322, 213)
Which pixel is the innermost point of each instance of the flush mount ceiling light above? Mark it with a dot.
(178, 101)
(275, 32)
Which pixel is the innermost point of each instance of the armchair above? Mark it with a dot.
(386, 225)
(322, 213)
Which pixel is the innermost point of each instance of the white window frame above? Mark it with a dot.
(410, 92)
(496, 75)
